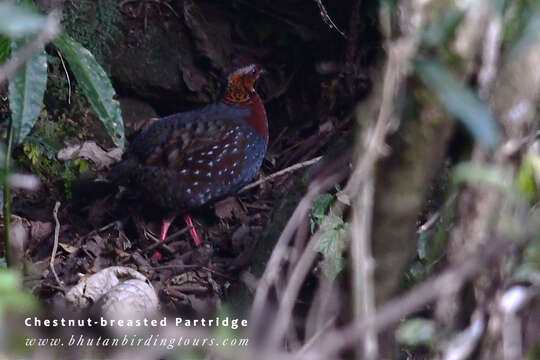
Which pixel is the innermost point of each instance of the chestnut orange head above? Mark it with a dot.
(241, 84)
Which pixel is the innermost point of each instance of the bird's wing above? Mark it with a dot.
(202, 159)
(197, 142)
(182, 131)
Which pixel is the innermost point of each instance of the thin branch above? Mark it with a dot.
(394, 310)
(400, 54)
(296, 279)
(362, 267)
(67, 75)
(318, 335)
(279, 253)
(490, 56)
(288, 300)
(167, 239)
(7, 195)
(429, 222)
(50, 31)
(437, 215)
(510, 303)
(149, 235)
(285, 171)
(463, 344)
(326, 18)
(55, 246)
(366, 165)
(273, 266)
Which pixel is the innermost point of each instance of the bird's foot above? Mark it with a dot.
(165, 227)
(192, 231)
(167, 223)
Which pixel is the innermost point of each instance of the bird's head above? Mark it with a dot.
(241, 83)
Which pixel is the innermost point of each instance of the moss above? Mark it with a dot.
(39, 154)
(69, 107)
(93, 23)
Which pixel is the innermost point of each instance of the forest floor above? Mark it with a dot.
(101, 226)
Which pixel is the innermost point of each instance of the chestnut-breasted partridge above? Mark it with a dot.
(190, 159)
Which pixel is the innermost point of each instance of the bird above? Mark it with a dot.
(188, 160)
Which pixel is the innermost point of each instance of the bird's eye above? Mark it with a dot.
(254, 71)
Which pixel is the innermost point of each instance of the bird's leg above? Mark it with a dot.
(165, 227)
(192, 231)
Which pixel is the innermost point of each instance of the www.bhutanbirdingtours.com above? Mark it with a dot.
(135, 341)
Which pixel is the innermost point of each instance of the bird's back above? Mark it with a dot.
(189, 159)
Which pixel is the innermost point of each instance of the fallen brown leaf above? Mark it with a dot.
(40, 230)
(228, 208)
(92, 287)
(68, 248)
(91, 151)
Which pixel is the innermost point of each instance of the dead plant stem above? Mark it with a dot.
(273, 267)
(394, 310)
(362, 268)
(55, 245)
(285, 171)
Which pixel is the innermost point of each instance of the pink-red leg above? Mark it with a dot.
(165, 224)
(192, 231)
(165, 227)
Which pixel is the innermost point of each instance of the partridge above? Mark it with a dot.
(188, 160)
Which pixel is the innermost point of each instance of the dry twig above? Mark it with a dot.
(272, 270)
(55, 246)
(400, 55)
(326, 18)
(167, 239)
(67, 74)
(394, 310)
(288, 299)
(362, 267)
(285, 171)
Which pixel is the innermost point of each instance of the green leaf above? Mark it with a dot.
(18, 21)
(416, 332)
(484, 175)
(321, 204)
(95, 84)
(12, 297)
(461, 102)
(472, 173)
(526, 27)
(320, 207)
(26, 92)
(4, 48)
(525, 180)
(416, 273)
(529, 267)
(332, 245)
(9, 281)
